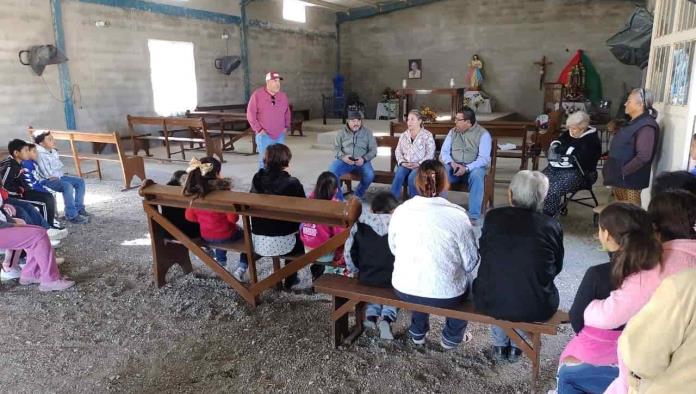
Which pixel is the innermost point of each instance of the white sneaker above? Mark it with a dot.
(60, 260)
(57, 235)
(385, 331)
(55, 243)
(240, 274)
(304, 280)
(12, 273)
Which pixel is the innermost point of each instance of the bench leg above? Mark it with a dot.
(99, 170)
(349, 187)
(276, 267)
(166, 256)
(533, 351)
(340, 324)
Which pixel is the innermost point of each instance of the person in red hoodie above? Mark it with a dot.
(314, 235)
(216, 227)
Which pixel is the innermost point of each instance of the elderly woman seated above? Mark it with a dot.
(572, 161)
(521, 253)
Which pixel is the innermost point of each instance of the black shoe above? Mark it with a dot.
(514, 355)
(499, 353)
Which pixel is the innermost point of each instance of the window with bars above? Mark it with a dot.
(687, 15)
(681, 72)
(665, 21)
(659, 73)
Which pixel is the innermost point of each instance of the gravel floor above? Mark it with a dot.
(116, 332)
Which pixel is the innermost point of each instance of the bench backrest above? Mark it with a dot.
(108, 137)
(225, 107)
(215, 115)
(196, 125)
(498, 128)
(295, 209)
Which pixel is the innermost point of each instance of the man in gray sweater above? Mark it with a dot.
(354, 148)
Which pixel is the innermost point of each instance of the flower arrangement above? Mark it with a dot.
(473, 102)
(428, 114)
(388, 94)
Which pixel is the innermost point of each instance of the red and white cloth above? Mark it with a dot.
(418, 150)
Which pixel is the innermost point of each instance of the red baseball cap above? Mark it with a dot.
(273, 75)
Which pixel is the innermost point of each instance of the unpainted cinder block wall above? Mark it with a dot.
(509, 36)
(109, 66)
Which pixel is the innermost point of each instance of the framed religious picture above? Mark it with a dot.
(415, 70)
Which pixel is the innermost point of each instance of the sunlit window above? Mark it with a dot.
(173, 76)
(294, 10)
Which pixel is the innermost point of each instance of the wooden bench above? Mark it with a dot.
(225, 124)
(387, 177)
(197, 129)
(131, 166)
(524, 132)
(351, 296)
(165, 253)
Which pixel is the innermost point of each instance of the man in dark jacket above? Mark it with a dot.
(521, 254)
(12, 178)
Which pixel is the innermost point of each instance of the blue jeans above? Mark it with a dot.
(585, 378)
(402, 174)
(384, 311)
(452, 333)
(500, 338)
(28, 213)
(367, 175)
(73, 190)
(263, 141)
(475, 179)
(221, 254)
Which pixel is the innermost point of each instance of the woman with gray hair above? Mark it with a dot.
(521, 253)
(633, 149)
(575, 163)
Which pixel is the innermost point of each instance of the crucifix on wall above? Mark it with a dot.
(543, 63)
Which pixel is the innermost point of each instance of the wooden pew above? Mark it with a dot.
(387, 177)
(131, 166)
(500, 129)
(198, 134)
(349, 296)
(241, 108)
(224, 123)
(165, 254)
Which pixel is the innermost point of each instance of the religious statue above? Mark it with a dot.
(475, 73)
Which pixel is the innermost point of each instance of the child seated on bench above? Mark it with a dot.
(367, 253)
(11, 174)
(276, 237)
(50, 171)
(216, 227)
(314, 235)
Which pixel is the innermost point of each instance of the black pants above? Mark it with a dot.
(44, 201)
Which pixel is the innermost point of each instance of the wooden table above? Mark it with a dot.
(406, 98)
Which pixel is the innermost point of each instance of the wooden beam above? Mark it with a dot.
(326, 4)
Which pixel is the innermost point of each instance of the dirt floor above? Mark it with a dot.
(116, 332)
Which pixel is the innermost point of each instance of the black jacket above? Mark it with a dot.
(521, 254)
(279, 184)
(11, 177)
(595, 285)
(588, 149)
(371, 254)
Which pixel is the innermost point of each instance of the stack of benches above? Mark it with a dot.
(197, 130)
(131, 166)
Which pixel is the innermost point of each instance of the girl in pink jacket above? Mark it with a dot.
(674, 217)
(314, 235)
(589, 361)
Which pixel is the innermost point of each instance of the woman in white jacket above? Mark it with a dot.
(435, 252)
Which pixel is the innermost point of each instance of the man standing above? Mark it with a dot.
(355, 147)
(268, 113)
(466, 153)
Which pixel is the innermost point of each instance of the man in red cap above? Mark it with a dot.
(268, 114)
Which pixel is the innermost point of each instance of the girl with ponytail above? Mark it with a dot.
(435, 252)
(589, 362)
(635, 273)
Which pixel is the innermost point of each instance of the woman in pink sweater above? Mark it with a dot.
(589, 361)
(674, 216)
(314, 235)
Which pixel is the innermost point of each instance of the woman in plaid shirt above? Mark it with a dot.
(416, 145)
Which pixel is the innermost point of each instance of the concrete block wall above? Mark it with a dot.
(509, 36)
(304, 53)
(25, 97)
